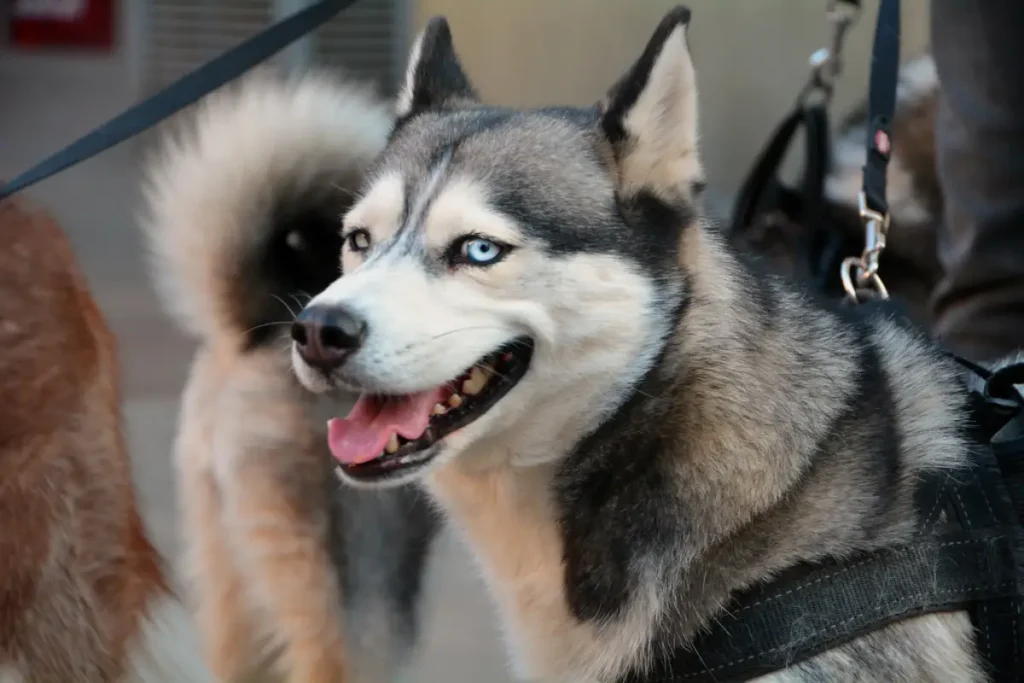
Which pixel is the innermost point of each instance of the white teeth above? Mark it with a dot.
(392, 445)
(455, 401)
(476, 382)
(439, 409)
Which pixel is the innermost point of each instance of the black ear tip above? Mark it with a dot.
(437, 31)
(680, 14)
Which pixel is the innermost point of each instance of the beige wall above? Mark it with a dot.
(751, 57)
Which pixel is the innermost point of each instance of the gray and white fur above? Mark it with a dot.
(688, 424)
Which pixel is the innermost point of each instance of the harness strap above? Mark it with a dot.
(808, 609)
(181, 93)
(968, 555)
(763, 191)
(995, 499)
(765, 171)
(818, 159)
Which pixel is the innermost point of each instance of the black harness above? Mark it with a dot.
(968, 555)
(968, 552)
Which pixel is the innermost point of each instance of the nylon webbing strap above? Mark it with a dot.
(807, 611)
(993, 499)
(818, 241)
(765, 170)
(181, 93)
(759, 192)
(969, 555)
(885, 65)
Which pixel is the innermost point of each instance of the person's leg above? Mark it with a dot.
(978, 306)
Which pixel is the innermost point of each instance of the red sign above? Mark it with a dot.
(63, 23)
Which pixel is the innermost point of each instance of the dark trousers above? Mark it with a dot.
(978, 306)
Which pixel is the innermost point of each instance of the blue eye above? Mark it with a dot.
(480, 252)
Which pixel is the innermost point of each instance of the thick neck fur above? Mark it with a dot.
(769, 431)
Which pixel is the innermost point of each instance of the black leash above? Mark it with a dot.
(885, 65)
(181, 93)
(859, 275)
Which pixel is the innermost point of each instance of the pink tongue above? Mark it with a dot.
(362, 435)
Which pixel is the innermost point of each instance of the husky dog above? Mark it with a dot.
(84, 595)
(244, 209)
(909, 265)
(625, 420)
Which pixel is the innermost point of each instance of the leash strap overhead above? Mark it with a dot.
(182, 92)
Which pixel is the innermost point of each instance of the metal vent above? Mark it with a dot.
(366, 39)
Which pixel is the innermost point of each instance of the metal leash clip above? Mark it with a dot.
(826, 63)
(860, 274)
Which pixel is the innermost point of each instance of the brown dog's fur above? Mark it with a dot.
(78, 576)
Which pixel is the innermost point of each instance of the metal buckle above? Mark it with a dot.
(859, 273)
(826, 63)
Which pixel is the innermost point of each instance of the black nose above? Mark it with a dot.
(326, 336)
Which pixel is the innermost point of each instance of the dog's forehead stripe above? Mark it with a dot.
(418, 199)
(539, 171)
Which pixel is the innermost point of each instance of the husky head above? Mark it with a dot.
(510, 276)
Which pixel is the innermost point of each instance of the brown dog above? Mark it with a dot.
(83, 593)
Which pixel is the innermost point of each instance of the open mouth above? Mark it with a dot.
(384, 436)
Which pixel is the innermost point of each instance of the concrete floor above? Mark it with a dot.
(46, 102)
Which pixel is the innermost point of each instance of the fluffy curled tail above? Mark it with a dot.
(243, 202)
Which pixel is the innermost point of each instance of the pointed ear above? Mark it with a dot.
(650, 117)
(434, 77)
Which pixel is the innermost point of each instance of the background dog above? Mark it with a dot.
(244, 208)
(909, 265)
(626, 419)
(84, 597)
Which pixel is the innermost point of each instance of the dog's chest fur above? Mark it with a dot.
(560, 632)
(509, 517)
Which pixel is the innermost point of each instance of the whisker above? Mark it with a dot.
(285, 304)
(493, 371)
(270, 324)
(465, 329)
(341, 188)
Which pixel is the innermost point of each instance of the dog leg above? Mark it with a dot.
(282, 540)
(220, 602)
(50, 622)
(217, 592)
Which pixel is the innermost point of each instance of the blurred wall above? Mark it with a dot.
(751, 57)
